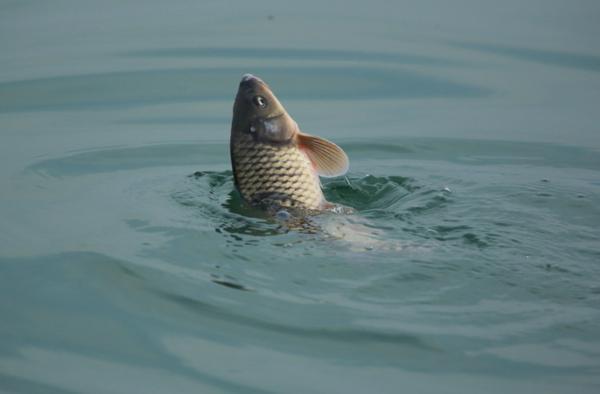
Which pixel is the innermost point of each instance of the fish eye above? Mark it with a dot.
(259, 101)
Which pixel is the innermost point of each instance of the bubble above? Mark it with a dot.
(283, 215)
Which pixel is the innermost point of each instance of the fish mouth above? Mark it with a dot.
(249, 80)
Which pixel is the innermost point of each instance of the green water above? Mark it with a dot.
(129, 264)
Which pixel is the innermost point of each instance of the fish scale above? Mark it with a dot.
(277, 174)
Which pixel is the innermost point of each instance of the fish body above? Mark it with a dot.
(266, 173)
(274, 163)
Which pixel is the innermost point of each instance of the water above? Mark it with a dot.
(129, 264)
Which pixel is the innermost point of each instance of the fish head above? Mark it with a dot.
(258, 112)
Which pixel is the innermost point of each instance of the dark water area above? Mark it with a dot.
(129, 263)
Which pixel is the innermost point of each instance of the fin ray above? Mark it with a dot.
(328, 158)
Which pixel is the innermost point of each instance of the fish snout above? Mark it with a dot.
(249, 81)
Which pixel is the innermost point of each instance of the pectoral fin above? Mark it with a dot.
(328, 159)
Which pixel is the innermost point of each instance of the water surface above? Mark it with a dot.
(129, 264)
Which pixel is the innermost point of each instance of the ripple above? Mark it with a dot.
(140, 88)
(369, 192)
(294, 54)
(344, 335)
(211, 194)
(130, 158)
(369, 225)
(558, 58)
(214, 193)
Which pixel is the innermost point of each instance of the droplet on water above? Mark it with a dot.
(283, 215)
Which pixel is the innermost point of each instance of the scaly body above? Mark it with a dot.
(275, 174)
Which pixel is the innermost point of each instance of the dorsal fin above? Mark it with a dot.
(328, 158)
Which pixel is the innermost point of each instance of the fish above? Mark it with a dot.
(276, 165)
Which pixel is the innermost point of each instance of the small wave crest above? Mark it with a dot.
(373, 212)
